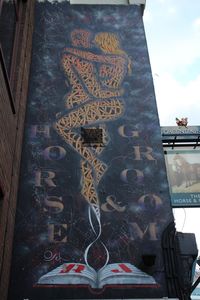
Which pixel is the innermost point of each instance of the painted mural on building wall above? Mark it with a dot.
(93, 198)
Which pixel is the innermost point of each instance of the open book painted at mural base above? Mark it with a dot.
(112, 274)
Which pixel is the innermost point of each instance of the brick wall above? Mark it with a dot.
(11, 134)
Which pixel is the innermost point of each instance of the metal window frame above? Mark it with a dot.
(9, 74)
(7, 81)
(15, 44)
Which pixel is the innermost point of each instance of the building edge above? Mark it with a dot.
(12, 127)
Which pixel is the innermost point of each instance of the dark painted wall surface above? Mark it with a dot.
(11, 134)
(93, 192)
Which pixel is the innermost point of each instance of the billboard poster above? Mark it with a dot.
(183, 170)
(93, 199)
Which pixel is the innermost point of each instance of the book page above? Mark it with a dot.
(71, 273)
(123, 273)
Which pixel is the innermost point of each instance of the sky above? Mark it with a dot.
(173, 36)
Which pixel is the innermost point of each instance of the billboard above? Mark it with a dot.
(93, 198)
(192, 132)
(183, 170)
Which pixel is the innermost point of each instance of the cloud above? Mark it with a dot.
(173, 55)
(172, 10)
(161, 1)
(175, 99)
(147, 16)
(173, 42)
(187, 220)
(196, 25)
(197, 22)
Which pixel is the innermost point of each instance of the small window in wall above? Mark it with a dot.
(9, 28)
(8, 21)
(1, 202)
(92, 136)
